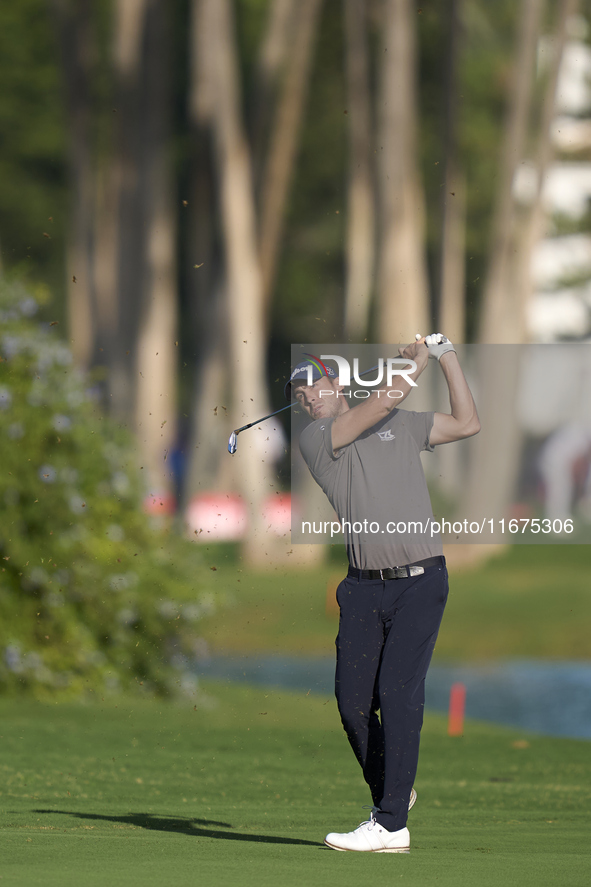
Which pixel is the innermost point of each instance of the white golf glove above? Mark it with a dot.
(438, 344)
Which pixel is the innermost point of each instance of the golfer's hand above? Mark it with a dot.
(416, 351)
(438, 345)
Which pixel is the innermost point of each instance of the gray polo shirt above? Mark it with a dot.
(377, 487)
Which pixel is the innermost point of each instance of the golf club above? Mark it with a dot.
(233, 440)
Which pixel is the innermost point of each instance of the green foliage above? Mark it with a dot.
(91, 594)
(33, 139)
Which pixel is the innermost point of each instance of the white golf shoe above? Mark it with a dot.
(372, 837)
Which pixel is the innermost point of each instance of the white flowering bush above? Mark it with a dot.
(92, 597)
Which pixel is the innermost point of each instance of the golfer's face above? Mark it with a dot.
(316, 399)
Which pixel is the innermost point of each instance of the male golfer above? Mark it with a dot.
(366, 459)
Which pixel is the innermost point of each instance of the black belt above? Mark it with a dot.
(404, 572)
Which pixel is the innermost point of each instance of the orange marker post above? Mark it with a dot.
(457, 706)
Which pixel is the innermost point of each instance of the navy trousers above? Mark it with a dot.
(387, 632)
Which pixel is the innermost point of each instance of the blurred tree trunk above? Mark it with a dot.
(403, 302)
(271, 62)
(502, 447)
(451, 296)
(134, 238)
(122, 243)
(502, 306)
(495, 459)
(108, 187)
(280, 161)
(114, 171)
(131, 198)
(452, 303)
(156, 357)
(243, 275)
(207, 461)
(75, 31)
(361, 204)
(532, 218)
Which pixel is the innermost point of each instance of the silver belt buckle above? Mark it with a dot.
(381, 576)
(416, 571)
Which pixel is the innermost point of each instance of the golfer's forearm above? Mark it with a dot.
(392, 396)
(461, 402)
(348, 426)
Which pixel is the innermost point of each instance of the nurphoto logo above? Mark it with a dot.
(394, 366)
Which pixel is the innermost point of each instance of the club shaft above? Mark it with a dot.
(244, 427)
(288, 407)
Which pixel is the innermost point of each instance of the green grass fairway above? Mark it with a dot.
(532, 601)
(241, 789)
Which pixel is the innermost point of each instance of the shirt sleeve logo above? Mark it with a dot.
(385, 435)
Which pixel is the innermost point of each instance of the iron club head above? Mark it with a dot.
(232, 443)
